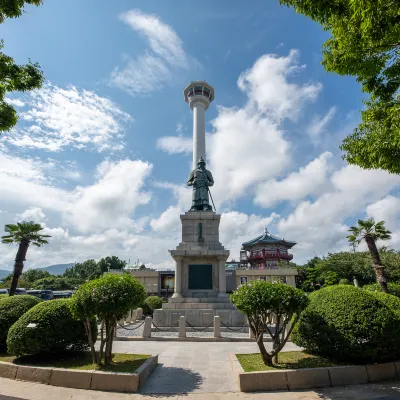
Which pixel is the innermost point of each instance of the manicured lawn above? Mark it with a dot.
(287, 360)
(121, 362)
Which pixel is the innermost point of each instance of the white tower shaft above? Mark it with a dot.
(199, 133)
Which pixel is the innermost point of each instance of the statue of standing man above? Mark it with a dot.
(200, 178)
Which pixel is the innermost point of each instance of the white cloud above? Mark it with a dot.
(59, 118)
(162, 39)
(112, 199)
(319, 123)
(319, 226)
(237, 228)
(175, 144)
(248, 146)
(154, 69)
(310, 179)
(15, 102)
(269, 90)
(35, 214)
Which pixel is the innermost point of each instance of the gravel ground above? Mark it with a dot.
(189, 333)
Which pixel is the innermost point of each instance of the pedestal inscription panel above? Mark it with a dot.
(200, 277)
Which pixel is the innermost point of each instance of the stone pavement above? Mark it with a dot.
(191, 367)
(17, 390)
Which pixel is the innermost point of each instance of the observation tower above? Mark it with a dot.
(199, 95)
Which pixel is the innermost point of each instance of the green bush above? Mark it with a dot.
(394, 288)
(346, 323)
(344, 281)
(152, 303)
(56, 330)
(12, 308)
(393, 302)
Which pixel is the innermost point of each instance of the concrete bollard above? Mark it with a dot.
(147, 327)
(139, 314)
(182, 326)
(217, 326)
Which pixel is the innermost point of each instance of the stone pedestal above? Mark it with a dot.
(200, 284)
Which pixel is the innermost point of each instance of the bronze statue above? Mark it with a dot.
(200, 178)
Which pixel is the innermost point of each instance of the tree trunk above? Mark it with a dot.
(109, 342)
(376, 262)
(267, 359)
(88, 328)
(102, 343)
(18, 265)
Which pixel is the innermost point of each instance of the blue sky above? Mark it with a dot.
(102, 152)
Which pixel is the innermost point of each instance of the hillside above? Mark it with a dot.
(4, 273)
(57, 269)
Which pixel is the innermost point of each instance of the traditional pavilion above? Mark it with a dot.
(265, 251)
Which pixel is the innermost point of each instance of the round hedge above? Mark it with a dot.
(152, 303)
(349, 324)
(56, 330)
(393, 302)
(12, 308)
(394, 288)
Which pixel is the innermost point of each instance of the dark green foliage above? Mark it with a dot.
(389, 300)
(348, 265)
(262, 301)
(56, 330)
(111, 263)
(365, 43)
(85, 270)
(33, 275)
(14, 77)
(348, 324)
(394, 288)
(152, 303)
(11, 308)
(56, 283)
(110, 298)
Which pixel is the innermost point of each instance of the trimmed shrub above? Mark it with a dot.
(152, 303)
(344, 281)
(56, 330)
(393, 302)
(394, 288)
(12, 308)
(346, 323)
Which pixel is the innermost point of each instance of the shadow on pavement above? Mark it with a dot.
(10, 398)
(166, 381)
(383, 391)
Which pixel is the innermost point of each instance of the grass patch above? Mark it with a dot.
(81, 360)
(287, 360)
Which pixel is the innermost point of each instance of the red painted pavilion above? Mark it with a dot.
(265, 251)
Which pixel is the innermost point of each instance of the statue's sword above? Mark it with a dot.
(211, 198)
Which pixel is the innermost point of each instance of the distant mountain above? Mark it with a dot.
(4, 273)
(57, 269)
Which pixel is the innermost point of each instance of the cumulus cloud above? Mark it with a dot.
(247, 146)
(319, 226)
(55, 118)
(35, 214)
(175, 144)
(310, 179)
(155, 68)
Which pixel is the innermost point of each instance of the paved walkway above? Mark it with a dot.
(17, 390)
(191, 367)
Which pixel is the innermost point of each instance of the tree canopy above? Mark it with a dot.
(14, 77)
(365, 43)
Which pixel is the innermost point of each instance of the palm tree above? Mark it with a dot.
(371, 231)
(24, 233)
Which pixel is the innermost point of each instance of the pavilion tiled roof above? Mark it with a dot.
(267, 238)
